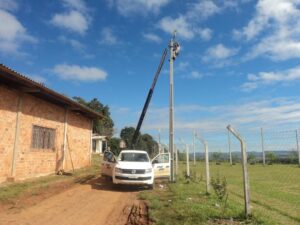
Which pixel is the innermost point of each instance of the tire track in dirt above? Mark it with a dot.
(96, 202)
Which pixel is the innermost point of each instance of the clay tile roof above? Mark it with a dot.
(25, 84)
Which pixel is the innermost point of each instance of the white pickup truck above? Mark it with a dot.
(135, 167)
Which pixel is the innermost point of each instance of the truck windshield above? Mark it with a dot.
(134, 157)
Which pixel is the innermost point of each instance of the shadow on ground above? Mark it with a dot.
(105, 184)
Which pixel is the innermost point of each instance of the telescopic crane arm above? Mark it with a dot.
(149, 96)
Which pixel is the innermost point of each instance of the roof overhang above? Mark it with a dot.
(102, 138)
(22, 83)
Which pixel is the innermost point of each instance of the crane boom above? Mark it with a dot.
(138, 127)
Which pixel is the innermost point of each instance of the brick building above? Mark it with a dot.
(41, 131)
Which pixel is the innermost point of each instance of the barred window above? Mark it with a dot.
(43, 138)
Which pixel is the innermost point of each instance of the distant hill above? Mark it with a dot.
(237, 155)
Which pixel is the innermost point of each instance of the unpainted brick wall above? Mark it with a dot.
(37, 162)
(8, 108)
(78, 141)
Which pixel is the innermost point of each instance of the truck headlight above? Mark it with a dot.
(118, 170)
(148, 170)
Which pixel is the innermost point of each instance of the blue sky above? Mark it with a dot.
(238, 64)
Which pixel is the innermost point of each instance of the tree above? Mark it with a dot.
(216, 156)
(252, 158)
(114, 144)
(271, 157)
(145, 141)
(235, 158)
(127, 134)
(103, 126)
(293, 156)
(181, 155)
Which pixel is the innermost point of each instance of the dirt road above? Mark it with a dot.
(96, 202)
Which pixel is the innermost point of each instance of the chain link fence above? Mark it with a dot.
(273, 166)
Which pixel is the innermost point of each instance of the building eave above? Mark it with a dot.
(27, 85)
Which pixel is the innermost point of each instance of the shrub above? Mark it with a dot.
(220, 187)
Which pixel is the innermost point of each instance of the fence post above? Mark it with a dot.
(194, 147)
(187, 160)
(245, 170)
(158, 143)
(263, 146)
(206, 162)
(229, 148)
(298, 150)
(207, 167)
(176, 162)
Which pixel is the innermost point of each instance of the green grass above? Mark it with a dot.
(11, 191)
(274, 193)
(274, 189)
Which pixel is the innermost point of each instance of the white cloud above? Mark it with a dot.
(269, 113)
(275, 30)
(195, 75)
(76, 45)
(184, 27)
(220, 52)
(10, 27)
(272, 77)
(78, 5)
(269, 78)
(12, 32)
(108, 37)
(219, 55)
(9, 5)
(248, 86)
(277, 48)
(152, 37)
(203, 9)
(80, 73)
(182, 66)
(75, 18)
(205, 33)
(180, 24)
(140, 7)
(72, 20)
(187, 24)
(72, 42)
(231, 3)
(38, 78)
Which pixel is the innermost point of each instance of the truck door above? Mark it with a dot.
(108, 163)
(161, 165)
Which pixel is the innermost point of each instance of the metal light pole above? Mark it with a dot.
(174, 50)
